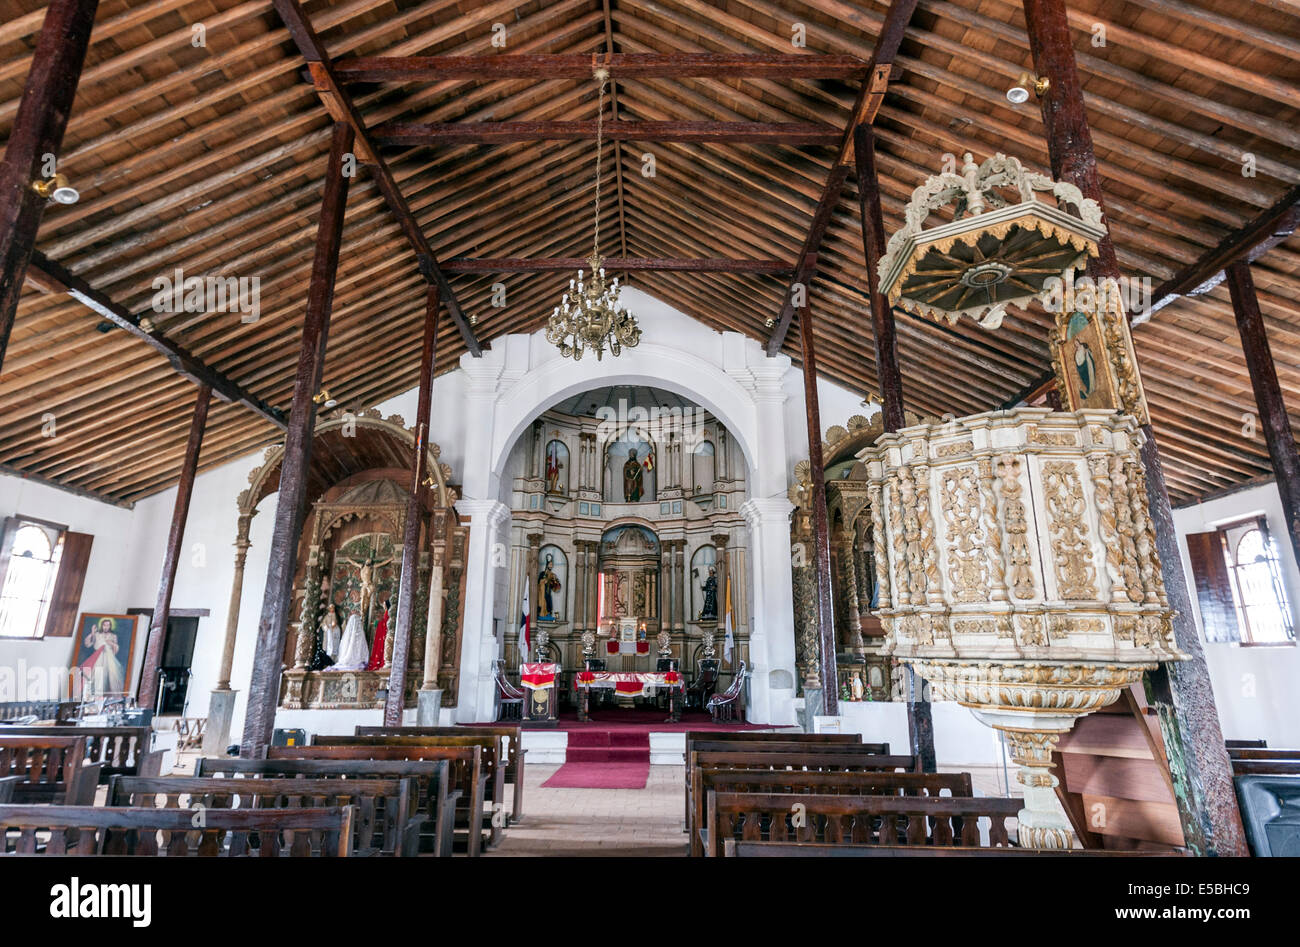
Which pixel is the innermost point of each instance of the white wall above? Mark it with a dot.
(1256, 688)
(103, 591)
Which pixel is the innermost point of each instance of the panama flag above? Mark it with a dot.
(525, 640)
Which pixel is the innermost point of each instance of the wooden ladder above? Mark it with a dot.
(1114, 778)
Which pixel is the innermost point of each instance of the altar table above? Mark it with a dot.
(630, 684)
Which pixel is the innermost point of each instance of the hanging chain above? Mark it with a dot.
(602, 77)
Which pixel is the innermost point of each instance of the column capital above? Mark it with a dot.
(757, 509)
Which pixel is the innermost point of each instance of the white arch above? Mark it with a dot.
(656, 366)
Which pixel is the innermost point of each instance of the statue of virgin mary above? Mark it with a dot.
(354, 654)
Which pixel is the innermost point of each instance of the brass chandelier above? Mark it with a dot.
(589, 314)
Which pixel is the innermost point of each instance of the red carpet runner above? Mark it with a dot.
(604, 759)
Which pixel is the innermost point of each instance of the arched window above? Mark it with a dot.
(33, 563)
(1263, 611)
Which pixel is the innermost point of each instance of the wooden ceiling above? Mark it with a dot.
(210, 157)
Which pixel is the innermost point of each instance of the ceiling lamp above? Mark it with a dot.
(589, 315)
(57, 189)
(1004, 245)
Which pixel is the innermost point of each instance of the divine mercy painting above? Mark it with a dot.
(101, 657)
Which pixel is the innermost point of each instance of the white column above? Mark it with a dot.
(771, 646)
(479, 644)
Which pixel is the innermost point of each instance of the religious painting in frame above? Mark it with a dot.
(101, 657)
(1085, 364)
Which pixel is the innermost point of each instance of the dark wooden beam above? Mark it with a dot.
(339, 104)
(53, 277)
(153, 651)
(879, 71)
(1247, 243)
(614, 264)
(37, 131)
(920, 719)
(581, 66)
(873, 248)
(1181, 691)
(277, 600)
(408, 134)
(414, 514)
(1273, 418)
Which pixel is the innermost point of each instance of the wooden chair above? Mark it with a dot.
(706, 679)
(514, 752)
(493, 763)
(436, 797)
(386, 820)
(124, 751)
(863, 783)
(103, 830)
(465, 771)
(937, 821)
(730, 704)
(52, 770)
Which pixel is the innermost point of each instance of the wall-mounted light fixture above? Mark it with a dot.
(1018, 94)
(57, 189)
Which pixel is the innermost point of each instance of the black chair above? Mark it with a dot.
(510, 699)
(706, 680)
(666, 664)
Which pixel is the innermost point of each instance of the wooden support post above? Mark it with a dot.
(920, 720)
(264, 685)
(1181, 692)
(821, 551)
(176, 535)
(37, 132)
(1273, 417)
(414, 514)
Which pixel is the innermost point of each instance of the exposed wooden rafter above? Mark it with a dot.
(615, 264)
(53, 277)
(620, 65)
(865, 109)
(339, 103)
(498, 133)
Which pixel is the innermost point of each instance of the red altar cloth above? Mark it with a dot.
(629, 683)
(536, 676)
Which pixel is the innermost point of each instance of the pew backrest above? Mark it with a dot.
(123, 751)
(386, 820)
(465, 769)
(104, 830)
(734, 848)
(52, 769)
(513, 739)
(836, 819)
(437, 796)
(860, 783)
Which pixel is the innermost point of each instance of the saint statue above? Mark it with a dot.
(710, 589)
(548, 583)
(327, 641)
(633, 484)
(381, 637)
(553, 466)
(353, 653)
(855, 686)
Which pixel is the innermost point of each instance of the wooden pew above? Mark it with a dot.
(752, 736)
(436, 799)
(809, 747)
(1261, 761)
(861, 783)
(494, 818)
(103, 830)
(386, 820)
(56, 710)
(465, 765)
(52, 770)
(733, 848)
(124, 751)
(514, 751)
(887, 820)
